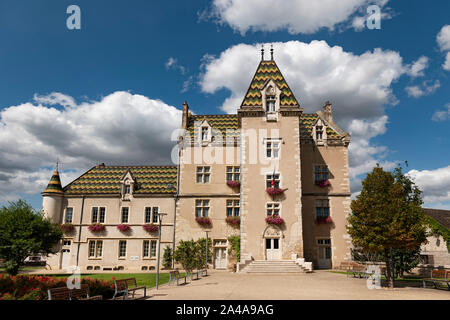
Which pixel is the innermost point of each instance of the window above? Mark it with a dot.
(319, 132)
(124, 218)
(127, 189)
(324, 242)
(145, 248)
(203, 174)
(153, 248)
(272, 149)
(320, 173)
(270, 104)
(95, 248)
(98, 215)
(66, 242)
(201, 208)
(69, 215)
(273, 178)
(122, 249)
(151, 214)
(273, 208)
(233, 173)
(322, 208)
(205, 133)
(232, 208)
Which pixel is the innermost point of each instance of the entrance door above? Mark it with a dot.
(273, 251)
(324, 253)
(220, 258)
(65, 258)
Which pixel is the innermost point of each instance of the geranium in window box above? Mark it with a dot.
(204, 221)
(275, 219)
(233, 184)
(275, 191)
(123, 227)
(150, 227)
(67, 227)
(323, 183)
(324, 220)
(96, 227)
(233, 220)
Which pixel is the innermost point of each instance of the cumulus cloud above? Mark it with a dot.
(416, 69)
(426, 88)
(442, 115)
(295, 16)
(55, 98)
(121, 128)
(435, 184)
(446, 64)
(443, 38)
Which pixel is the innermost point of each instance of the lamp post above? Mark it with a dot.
(206, 261)
(160, 216)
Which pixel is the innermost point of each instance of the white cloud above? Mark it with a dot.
(435, 184)
(121, 128)
(295, 16)
(425, 89)
(187, 84)
(443, 38)
(416, 69)
(55, 98)
(446, 64)
(442, 115)
(172, 63)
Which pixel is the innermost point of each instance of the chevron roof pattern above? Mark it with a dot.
(54, 185)
(221, 122)
(106, 180)
(268, 70)
(306, 122)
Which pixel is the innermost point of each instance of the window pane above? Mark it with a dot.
(229, 176)
(94, 214)
(205, 203)
(199, 178)
(236, 212)
(268, 243)
(199, 169)
(198, 212)
(206, 178)
(153, 249)
(205, 212)
(69, 214)
(91, 249)
(275, 243)
(102, 215)
(207, 169)
(229, 212)
(145, 248)
(99, 248)
(237, 176)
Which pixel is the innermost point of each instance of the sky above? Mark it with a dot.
(112, 91)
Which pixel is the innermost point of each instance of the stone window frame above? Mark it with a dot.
(202, 174)
(233, 173)
(269, 181)
(322, 215)
(99, 214)
(122, 214)
(266, 147)
(120, 249)
(271, 206)
(202, 207)
(97, 245)
(321, 172)
(147, 251)
(233, 207)
(152, 214)
(66, 215)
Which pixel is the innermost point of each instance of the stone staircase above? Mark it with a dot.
(274, 266)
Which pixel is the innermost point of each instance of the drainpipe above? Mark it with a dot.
(79, 233)
(175, 206)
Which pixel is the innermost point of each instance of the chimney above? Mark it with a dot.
(328, 112)
(184, 121)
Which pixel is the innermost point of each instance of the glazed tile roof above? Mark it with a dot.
(221, 122)
(106, 180)
(268, 70)
(306, 122)
(54, 185)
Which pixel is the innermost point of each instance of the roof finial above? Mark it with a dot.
(262, 52)
(271, 51)
(57, 163)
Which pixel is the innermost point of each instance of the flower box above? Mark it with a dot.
(233, 184)
(324, 220)
(96, 227)
(203, 220)
(150, 227)
(67, 227)
(123, 227)
(323, 184)
(275, 191)
(277, 220)
(233, 220)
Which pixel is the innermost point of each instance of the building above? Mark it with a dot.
(270, 159)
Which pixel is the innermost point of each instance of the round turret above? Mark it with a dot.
(52, 199)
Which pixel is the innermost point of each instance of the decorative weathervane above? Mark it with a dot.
(262, 52)
(271, 52)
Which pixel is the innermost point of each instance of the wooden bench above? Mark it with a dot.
(354, 268)
(175, 275)
(125, 286)
(438, 276)
(64, 293)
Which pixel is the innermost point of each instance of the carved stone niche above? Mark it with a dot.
(272, 232)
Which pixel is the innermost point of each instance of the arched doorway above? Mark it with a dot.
(272, 243)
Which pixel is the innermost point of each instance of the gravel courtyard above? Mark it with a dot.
(223, 285)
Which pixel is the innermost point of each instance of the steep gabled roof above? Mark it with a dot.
(268, 69)
(221, 122)
(307, 120)
(106, 180)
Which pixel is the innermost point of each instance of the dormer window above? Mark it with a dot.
(205, 134)
(270, 104)
(127, 189)
(319, 133)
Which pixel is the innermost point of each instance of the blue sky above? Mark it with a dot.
(123, 53)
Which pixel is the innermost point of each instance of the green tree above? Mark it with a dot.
(167, 257)
(387, 215)
(24, 232)
(235, 247)
(201, 253)
(186, 254)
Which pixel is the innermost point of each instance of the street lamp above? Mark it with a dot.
(206, 261)
(160, 216)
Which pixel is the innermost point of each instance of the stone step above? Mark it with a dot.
(273, 266)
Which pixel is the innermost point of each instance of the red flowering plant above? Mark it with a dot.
(274, 219)
(273, 191)
(203, 221)
(233, 220)
(123, 227)
(233, 184)
(324, 220)
(96, 227)
(323, 183)
(150, 227)
(67, 227)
